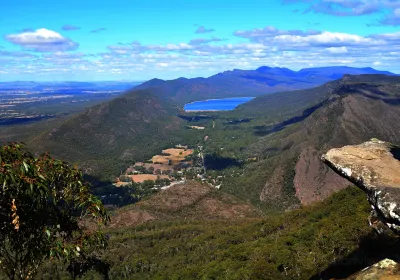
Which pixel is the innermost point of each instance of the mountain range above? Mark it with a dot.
(242, 83)
(286, 131)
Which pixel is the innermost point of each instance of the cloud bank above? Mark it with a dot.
(44, 52)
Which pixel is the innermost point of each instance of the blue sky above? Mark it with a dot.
(139, 40)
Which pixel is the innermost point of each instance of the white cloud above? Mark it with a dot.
(42, 40)
(326, 39)
(388, 36)
(271, 31)
(337, 49)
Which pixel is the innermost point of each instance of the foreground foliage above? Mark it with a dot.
(44, 205)
(294, 245)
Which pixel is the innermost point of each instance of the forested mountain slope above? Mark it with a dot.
(106, 137)
(348, 111)
(331, 239)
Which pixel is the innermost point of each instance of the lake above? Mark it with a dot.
(223, 104)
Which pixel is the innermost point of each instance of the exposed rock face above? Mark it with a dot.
(313, 180)
(385, 269)
(374, 167)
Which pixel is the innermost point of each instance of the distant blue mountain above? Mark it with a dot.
(337, 72)
(243, 83)
(276, 71)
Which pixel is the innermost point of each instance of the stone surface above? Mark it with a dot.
(374, 167)
(386, 269)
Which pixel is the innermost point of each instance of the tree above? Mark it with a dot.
(125, 179)
(151, 170)
(46, 212)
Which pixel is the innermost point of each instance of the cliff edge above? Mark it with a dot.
(373, 166)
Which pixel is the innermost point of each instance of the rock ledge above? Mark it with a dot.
(373, 166)
(385, 269)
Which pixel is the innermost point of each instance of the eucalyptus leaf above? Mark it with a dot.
(40, 194)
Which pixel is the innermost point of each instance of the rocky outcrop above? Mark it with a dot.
(385, 269)
(374, 167)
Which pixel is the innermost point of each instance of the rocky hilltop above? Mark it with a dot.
(373, 166)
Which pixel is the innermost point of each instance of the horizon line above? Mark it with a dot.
(234, 69)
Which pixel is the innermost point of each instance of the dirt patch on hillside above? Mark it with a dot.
(160, 159)
(140, 178)
(173, 156)
(156, 166)
(121, 184)
(130, 218)
(175, 152)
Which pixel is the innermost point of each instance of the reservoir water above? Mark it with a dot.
(224, 104)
